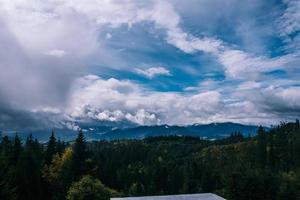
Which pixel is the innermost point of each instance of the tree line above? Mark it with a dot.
(266, 166)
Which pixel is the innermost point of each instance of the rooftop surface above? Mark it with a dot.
(203, 196)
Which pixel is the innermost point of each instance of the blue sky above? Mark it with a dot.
(149, 62)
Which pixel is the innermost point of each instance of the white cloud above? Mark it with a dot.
(108, 36)
(205, 85)
(282, 100)
(55, 52)
(117, 100)
(164, 16)
(32, 28)
(271, 103)
(240, 65)
(289, 25)
(248, 85)
(71, 126)
(153, 71)
(69, 25)
(52, 110)
(68, 21)
(237, 63)
(289, 22)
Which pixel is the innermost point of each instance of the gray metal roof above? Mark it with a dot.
(203, 196)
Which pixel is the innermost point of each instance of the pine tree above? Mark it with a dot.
(271, 153)
(17, 149)
(282, 147)
(51, 149)
(29, 170)
(296, 143)
(262, 146)
(79, 157)
(7, 190)
(297, 123)
(6, 147)
(60, 146)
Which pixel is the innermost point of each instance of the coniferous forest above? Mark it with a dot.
(266, 166)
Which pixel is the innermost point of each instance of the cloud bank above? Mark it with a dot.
(53, 55)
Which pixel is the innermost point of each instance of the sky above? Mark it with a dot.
(148, 62)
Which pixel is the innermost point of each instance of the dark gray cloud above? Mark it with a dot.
(28, 84)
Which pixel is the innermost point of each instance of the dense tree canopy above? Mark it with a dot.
(266, 166)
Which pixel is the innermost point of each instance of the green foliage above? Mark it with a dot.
(6, 192)
(266, 166)
(50, 149)
(28, 171)
(289, 187)
(79, 157)
(58, 174)
(262, 146)
(247, 183)
(90, 188)
(236, 167)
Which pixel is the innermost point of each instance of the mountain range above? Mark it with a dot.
(113, 132)
(206, 131)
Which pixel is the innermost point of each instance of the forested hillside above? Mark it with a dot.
(266, 166)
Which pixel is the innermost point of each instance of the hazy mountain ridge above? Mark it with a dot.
(209, 131)
(97, 131)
